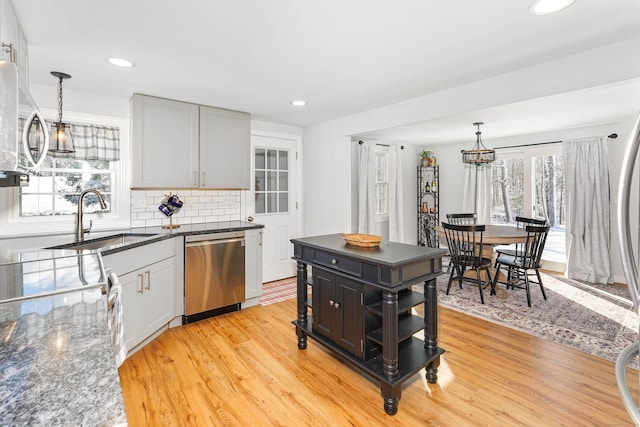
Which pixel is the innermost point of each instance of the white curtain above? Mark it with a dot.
(395, 195)
(587, 232)
(483, 174)
(366, 188)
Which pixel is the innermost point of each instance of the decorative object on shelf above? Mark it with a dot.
(363, 240)
(170, 205)
(60, 138)
(425, 156)
(479, 155)
(432, 160)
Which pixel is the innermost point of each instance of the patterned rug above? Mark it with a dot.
(279, 290)
(597, 319)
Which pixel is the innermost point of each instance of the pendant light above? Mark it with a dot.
(60, 137)
(479, 154)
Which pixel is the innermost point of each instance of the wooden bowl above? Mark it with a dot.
(363, 240)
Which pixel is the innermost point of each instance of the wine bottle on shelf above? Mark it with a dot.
(427, 187)
(434, 186)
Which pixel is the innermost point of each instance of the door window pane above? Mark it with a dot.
(271, 180)
(507, 195)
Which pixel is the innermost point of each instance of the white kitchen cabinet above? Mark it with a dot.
(224, 148)
(147, 301)
(149, 280)
(165, 143)
(182, 145)
(253, 266)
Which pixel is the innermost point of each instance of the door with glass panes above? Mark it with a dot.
(530, 183)
(274, 184)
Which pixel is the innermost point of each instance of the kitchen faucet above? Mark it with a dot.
(80, 230)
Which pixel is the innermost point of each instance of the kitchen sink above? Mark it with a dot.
(103, 242)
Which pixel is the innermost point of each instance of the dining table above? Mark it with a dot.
(494, 235)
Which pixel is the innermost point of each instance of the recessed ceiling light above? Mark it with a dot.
(547, 7)
(299, 103)
(119, 62)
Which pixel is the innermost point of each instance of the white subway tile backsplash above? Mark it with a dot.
(199, 206)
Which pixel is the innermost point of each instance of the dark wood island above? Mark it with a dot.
(361, 301)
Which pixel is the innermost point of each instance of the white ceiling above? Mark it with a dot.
(342, 57)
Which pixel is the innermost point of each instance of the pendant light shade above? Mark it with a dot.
(479, 154)
(60, 137)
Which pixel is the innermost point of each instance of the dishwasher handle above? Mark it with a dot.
(213, 242)
(215, 237)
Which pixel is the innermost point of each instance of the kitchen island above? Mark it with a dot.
(361, 300)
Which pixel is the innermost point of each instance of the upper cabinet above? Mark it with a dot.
(182, 145)
(11, 35)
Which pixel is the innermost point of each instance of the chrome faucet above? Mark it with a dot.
(80, 230)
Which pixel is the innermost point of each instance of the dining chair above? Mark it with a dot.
(521, 222)
(462, 218)
(526, 257)
(465, 247)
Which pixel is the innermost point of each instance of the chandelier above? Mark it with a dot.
(479, 155)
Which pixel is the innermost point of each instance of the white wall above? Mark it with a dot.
(327, 167)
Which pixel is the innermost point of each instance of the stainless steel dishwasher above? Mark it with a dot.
(214, 273)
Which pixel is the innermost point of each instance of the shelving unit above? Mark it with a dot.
(428, 205)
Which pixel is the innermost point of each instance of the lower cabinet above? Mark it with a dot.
(149, 279)
(147, 300)
(253, 266)
(339, 312)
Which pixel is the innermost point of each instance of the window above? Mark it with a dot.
(382, 181)
(56, 190)
(271, 180)
(46, 205)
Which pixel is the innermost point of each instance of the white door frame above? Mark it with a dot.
(248, 207)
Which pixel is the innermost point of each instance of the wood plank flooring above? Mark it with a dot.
(245, 369)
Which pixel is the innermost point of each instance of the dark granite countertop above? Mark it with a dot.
(57, 365)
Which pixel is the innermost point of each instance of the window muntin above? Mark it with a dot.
(57, 189)
(271, 180)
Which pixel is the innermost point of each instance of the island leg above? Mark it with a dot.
(390, 394)
(431, 328)
(302, 303)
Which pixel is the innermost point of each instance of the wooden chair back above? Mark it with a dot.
(528, 254)
(465, 243)
(462, 218)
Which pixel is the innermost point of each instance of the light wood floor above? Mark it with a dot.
(245, 369)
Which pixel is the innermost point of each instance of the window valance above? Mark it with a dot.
(93, 142)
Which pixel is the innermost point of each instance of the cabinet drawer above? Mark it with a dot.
(132, 259)
(339, 263)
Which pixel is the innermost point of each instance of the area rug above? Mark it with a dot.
(279, 290)
(597, 319)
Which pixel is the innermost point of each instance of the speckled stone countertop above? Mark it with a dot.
(57, 366)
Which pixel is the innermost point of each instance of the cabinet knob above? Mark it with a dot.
(336, 305)
(331, 303)
(334, 261)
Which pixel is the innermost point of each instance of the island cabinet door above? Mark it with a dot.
(347, 327)
(323, 301)
(338, 311)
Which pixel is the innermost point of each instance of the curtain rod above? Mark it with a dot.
(382, 145)
(612, 136)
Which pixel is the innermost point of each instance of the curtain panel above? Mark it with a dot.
(588, 229)
(92, 142)
(482, 208)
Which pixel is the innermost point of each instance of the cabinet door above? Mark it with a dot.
(132, 288)
(253, 263)
(323, 301)
(159, 285)
(165, 143)
(347, 323)
(224, 148)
